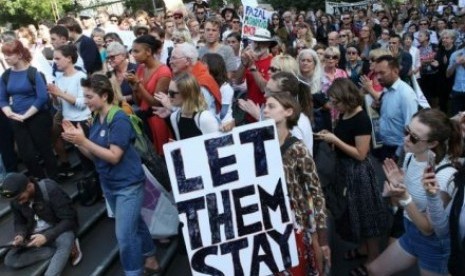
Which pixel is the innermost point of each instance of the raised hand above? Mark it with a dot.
(394, 174)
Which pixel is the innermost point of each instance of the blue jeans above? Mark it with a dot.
(432, 252)
(58, 253)
(134, 239)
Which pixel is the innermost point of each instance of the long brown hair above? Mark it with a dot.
(443, 130)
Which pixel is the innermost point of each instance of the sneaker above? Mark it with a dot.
(76, 253)
(65, 170)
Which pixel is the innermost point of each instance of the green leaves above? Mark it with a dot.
(22, 12)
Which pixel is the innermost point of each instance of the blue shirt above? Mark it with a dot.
(120, 133)
(398, 104)
(459, 80)
(21, 91)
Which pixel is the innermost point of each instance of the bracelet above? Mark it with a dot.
(405, 202)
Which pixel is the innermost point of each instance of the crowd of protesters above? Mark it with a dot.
(189, 72)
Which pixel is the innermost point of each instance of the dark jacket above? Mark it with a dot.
(89, 53)
(58, 211)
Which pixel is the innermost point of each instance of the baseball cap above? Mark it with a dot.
(13, 185)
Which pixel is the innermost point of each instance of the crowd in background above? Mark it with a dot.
(189, 72)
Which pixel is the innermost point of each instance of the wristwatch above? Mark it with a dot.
(405, 202)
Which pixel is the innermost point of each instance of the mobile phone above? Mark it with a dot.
(431, 161)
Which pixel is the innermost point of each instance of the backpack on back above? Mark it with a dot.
(155, 163)
(31, 76)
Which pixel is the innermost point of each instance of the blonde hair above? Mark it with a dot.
(183, 34)
(376, 53)
(189, 89)
(286, 63)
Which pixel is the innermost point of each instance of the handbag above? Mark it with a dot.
(158, 209)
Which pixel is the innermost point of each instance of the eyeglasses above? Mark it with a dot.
(236, 21)
(274, 69)
(412, 137)
(176, 58)
(200, 13)
(306, 60)
(112, 56)
(177, 40)
(331, 57)
(172, 93)
(393, 43)
(352, 53)
(177, 16)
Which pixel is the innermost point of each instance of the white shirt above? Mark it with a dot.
(72, 85)
(303, 131)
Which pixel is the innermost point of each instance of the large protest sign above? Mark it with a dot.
(374, 118)
(254, 18)
(232, 199)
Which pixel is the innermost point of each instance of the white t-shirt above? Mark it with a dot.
(227, 94)
(414, 170)
(72, 85)
(303, 131)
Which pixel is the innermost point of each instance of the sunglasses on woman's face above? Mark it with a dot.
(412, 137)
(172, 93)
(331, 57)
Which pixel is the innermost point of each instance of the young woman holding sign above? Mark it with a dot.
(306, 195)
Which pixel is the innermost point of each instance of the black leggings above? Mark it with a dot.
(34, 136)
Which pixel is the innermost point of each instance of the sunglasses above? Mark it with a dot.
(412, 137)
(172, 93)
(200, 13)
(169, 16)
(274, 69)
(236, 21)
(331, 57)
(177, 40)
(177, 17)
(352, 53)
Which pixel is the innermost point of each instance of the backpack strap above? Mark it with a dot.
(288, 143)
(31, 76)
(111, 113)
(6, 76)
(43, 189)
(443, 167)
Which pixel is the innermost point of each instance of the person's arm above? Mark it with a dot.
(41, 97)
(454, 62)
(258, 78)
(143, 94)
(313, 187)
(20, 222)
(62, 207)
(359, 151)
(438, 215)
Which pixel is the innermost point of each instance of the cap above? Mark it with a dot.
(13, 185)
(85, 14)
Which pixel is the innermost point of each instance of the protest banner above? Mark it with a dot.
(340, 7)
(254, 18)
(374, 118)
(232, 198)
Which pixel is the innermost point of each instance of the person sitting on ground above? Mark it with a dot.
(45, 224)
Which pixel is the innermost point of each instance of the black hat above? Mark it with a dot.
(13, 185)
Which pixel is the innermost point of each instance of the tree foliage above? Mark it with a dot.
(23, 12)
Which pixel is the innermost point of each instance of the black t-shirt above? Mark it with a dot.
(188, 128)
(321, 115)
(348, 129)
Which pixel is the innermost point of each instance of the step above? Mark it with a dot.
(165, 256)
(88, 216)
(98, 246)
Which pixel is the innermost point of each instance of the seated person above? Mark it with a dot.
(45, 223)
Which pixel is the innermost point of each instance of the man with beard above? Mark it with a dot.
(255, 62)
(213, 45)
(398, 104)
